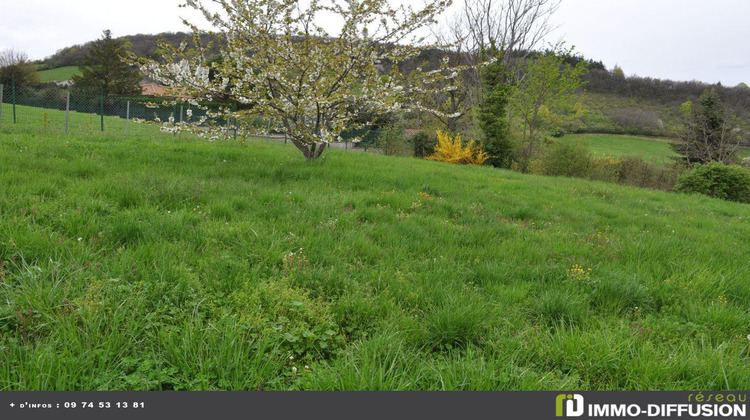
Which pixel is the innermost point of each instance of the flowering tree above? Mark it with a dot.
(283, 66)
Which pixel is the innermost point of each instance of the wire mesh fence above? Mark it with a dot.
(62, 110)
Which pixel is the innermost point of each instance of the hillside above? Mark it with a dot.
(617, 104)
(155, 263)
(142, 45)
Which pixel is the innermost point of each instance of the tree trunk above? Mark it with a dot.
(311, 151)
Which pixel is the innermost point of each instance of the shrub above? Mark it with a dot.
(568, 158)
(728, 182)
(636, 172)
(391, 142)
(452, 150)
(556, 132)
(424, 144)
(637, 121)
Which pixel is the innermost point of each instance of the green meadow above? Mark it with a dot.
(151, 262)
(59, 74)
(651, 149)
(51, 122)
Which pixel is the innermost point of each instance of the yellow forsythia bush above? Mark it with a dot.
(452, 150)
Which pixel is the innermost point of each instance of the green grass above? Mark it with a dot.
(617, 146)
(154, 263)
(51, 122)
(59, 74)
(651, 149)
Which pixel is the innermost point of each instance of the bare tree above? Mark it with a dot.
(10, 57)
(514, 26)
(486, 30)
(16, 65)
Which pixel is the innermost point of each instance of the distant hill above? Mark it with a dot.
(142, 45)
(643, 105)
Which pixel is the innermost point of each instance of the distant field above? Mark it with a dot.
(58, 74)
(650, 149)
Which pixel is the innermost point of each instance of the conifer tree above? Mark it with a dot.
(104, 66)
(707, 135)
(493, 116)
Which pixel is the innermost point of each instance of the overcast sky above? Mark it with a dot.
(669, 39)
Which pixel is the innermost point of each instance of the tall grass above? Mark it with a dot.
(154, 262)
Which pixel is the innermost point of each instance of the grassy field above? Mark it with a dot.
(153, 263)
(649, 148)
(50, 122)
(60, 74)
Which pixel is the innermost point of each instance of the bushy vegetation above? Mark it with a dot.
(728, 182)
(452, 149)
(153, 263)
(569, 158)
(708, 134)
(575, 158)
(15, 67)
(637, 172)
(391, 142)
(423, 144)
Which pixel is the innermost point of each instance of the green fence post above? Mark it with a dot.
(1, 104)
(67, 112)
(174, 118)
(127, 120)
(13, 95)
(101, 105)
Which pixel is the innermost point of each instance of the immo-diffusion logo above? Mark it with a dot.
(697, 405)
(569, 405)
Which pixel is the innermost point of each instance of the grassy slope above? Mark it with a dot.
(59, 74)
(154, 263)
